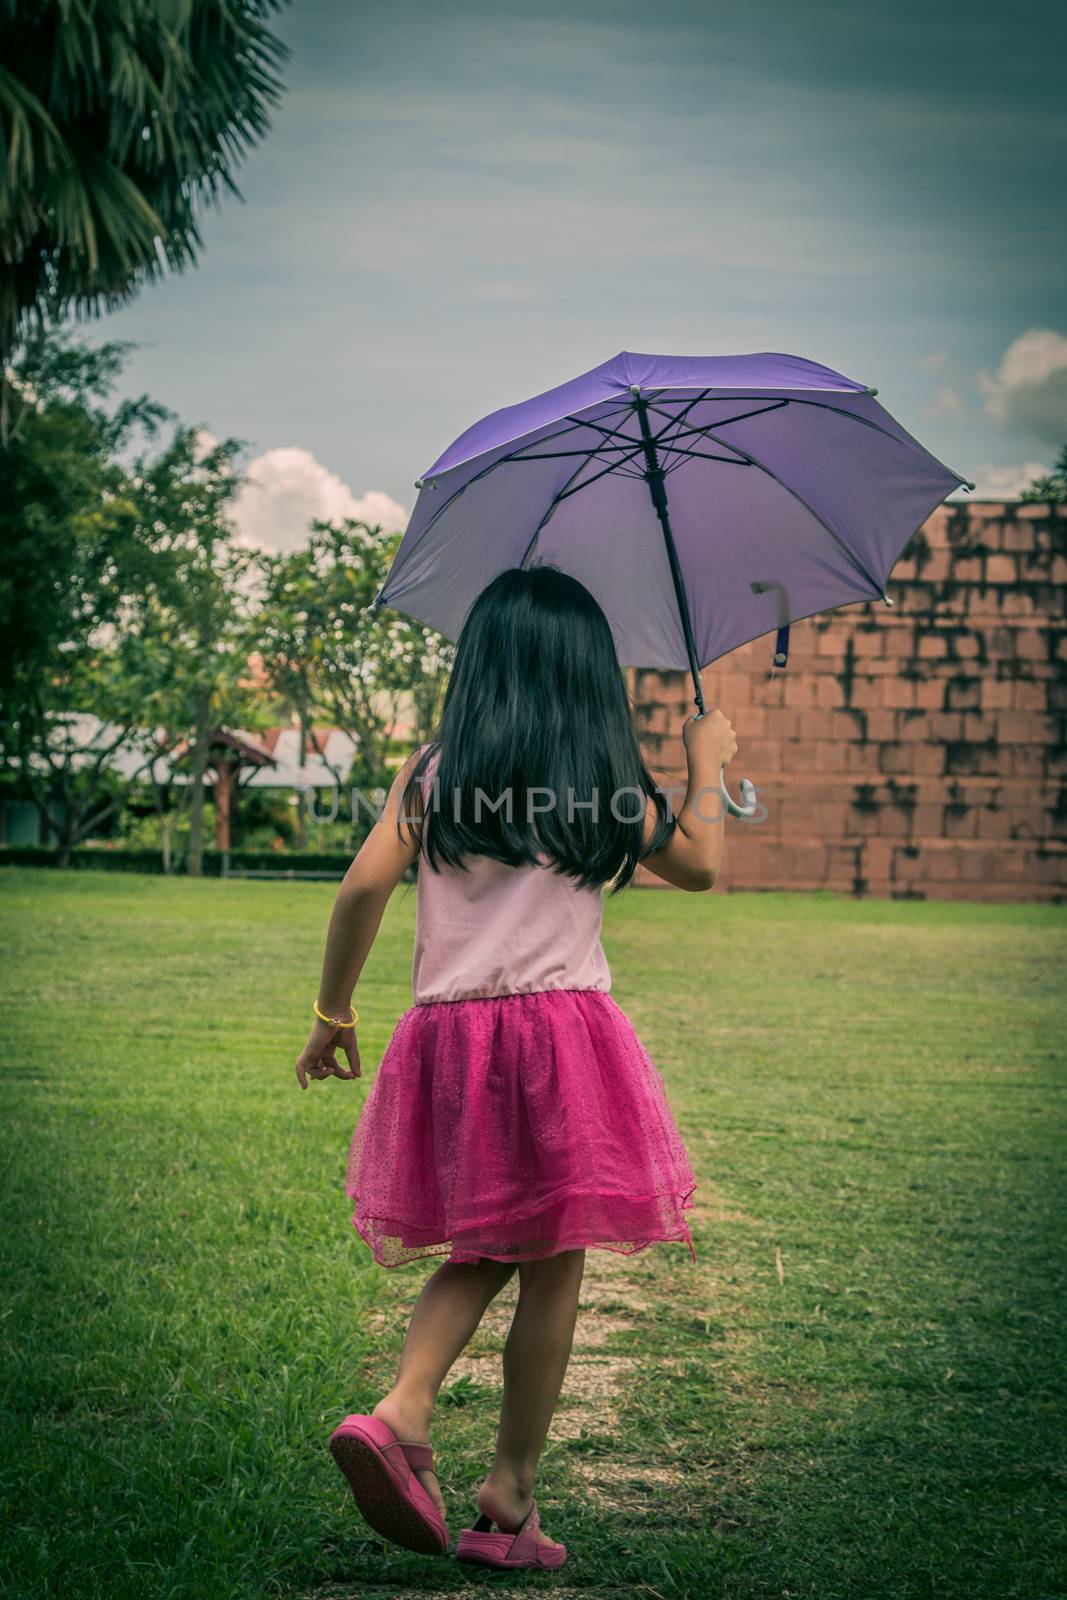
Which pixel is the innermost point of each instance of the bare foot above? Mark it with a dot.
(509, 1509)
(411, 1427)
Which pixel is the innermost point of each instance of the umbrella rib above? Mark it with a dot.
(609, 433)
(574, 424)
(660, 439)
(544, 520)
(627, 438)
(868, 422)
(698, 455)
(852, 417)
(559, 455)
(821, 405)
(567, 491)
(626, 456)
(765, 389)
(799, 498)
(478, 476)
(841, 411)
(515, 455)
(613, 467)
(695, 432)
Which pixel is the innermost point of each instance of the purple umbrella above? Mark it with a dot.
(704, 501)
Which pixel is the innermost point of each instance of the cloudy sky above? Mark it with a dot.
(463, 202)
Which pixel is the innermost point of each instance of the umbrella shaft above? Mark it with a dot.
(658, 492)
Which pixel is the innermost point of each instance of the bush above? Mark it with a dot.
(27, 855)
(106, 859)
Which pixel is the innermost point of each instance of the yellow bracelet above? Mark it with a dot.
(336, 1021)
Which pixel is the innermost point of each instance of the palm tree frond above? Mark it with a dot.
(119, 121)
(29, 139)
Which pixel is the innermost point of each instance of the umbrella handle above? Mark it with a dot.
(747, 807)
(748, 803)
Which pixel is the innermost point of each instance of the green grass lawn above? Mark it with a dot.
(856, 1392)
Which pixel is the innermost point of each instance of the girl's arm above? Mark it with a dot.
(383, 858)
(691, 857)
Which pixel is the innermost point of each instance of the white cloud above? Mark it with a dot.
(287, 488)
(947, 402)
(1003, 483)
(1029, 390)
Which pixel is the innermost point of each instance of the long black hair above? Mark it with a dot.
(536, 707)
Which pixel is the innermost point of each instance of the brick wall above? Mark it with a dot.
(915, 752)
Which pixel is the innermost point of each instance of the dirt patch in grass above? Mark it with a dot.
(648, 1492)
(480, 1366)
(591, 1392)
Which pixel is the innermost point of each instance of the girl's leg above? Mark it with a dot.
(535, 1360)
(449, 1309)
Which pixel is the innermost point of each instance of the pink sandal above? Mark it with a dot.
(520, 1548)
(379, 1469)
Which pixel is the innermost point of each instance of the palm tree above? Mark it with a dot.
(119, 121)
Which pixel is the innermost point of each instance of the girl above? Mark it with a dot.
(516, 1119)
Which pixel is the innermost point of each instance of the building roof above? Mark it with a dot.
(328, 760)
(274, 755)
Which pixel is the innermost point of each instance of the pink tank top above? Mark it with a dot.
(494, 930)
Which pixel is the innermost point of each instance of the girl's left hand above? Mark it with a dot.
(318, 1059)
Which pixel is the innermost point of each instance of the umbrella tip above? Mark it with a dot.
(872, 393)
(418, 483)
(635, 389)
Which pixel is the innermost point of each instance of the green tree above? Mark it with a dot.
(329, 655)
(192, 659)
(1051, 487)
(119, 121)
(70, 557)
(123, 596)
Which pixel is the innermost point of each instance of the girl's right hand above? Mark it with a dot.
(318, 1059)
(709, 738)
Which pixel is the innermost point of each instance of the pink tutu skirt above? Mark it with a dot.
(516, 1127)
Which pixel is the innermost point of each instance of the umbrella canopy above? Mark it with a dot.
(703, 500)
